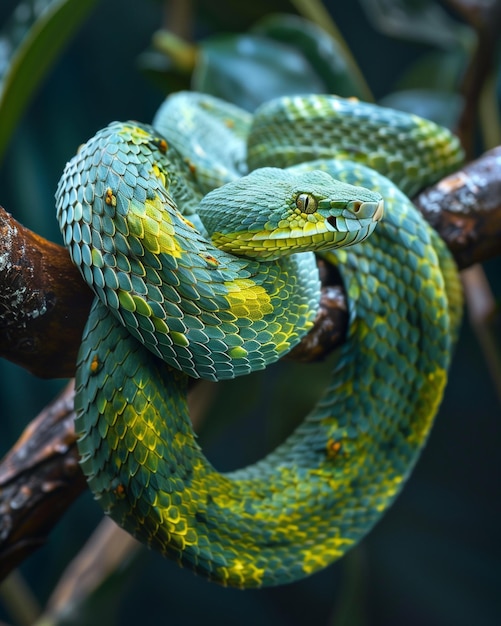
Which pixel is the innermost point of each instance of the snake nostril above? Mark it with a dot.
(355, 206)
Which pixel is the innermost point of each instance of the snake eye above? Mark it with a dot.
(306, 203)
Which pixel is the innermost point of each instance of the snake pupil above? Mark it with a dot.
(306, 203)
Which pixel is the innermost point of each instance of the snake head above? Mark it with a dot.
(274, 212)
(344, 207)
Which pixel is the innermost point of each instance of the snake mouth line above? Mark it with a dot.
(332, 221)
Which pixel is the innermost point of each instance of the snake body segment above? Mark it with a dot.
(203, 311)
(321, 491)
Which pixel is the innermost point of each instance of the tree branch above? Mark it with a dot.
(465, 209)
(43, 302)
(39, 479)
(485, 19)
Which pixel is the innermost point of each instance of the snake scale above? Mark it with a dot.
(181, 228)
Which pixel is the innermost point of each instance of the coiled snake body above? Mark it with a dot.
(170, 304)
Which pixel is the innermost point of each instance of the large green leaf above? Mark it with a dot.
(330, 60)
(249, 69)
(29, 44)
(281, 55)
(417, 20)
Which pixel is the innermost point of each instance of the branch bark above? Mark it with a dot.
(39, 479)
(43, 302)
(465, 209)
(485, 19)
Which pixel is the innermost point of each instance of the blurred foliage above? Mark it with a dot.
(418, 20)
(32, 40)
(280, 54)
(434, 559)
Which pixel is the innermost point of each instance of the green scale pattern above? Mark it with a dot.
(322, 490)
(178, 294)
(410, 150)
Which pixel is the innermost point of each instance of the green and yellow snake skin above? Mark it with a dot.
(140, 208)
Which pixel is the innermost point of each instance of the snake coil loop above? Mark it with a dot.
(183, 241)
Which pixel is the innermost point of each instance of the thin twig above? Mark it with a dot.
(481, 313)
(39, 479)
(487, 24)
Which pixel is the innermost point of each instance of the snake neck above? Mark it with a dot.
(209, 133)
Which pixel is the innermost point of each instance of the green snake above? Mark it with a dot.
(181, 229)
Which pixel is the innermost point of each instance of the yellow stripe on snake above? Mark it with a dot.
(172, 304)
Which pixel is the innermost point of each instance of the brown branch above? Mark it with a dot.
(39, 478)
(465, 209)
(43, 302)
(331, 324)
(103, 553)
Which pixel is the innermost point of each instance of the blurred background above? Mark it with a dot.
(434, 559)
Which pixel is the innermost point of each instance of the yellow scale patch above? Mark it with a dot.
(432, 393)
(324, 553)
(156, 171)
(152, 225)
(301, 232)
(241, 571)
(248, 300)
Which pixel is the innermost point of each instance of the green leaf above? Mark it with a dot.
(29, 45)
(438, 69)
(282, 54)
(249, 69)
(442, 107)
(328, 58)
(417, 20)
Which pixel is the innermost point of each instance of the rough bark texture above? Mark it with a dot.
(39, 479)
(465, 208)
(43, 302)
